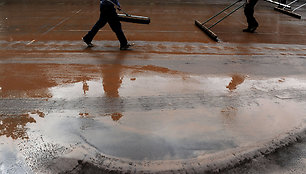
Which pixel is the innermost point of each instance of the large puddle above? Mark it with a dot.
(172, 97)
(144, 112)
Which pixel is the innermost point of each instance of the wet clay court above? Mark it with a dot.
(178, 102)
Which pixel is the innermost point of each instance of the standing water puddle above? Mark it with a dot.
(148, 112)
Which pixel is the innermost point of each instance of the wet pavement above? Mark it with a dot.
(177, 102)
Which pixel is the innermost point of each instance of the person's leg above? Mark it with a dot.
(249, 13)
(115, 25)
(99, 24)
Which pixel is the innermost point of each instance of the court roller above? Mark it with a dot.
(134, 19)
(125, 17)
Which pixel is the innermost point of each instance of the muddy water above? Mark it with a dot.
(176, 101)
(145, 112)
(176, 95)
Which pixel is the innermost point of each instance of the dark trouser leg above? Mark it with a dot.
(115, 25)
(249, 13)
(99, 24)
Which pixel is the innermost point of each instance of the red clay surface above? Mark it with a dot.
(171, 21)
(177, 101)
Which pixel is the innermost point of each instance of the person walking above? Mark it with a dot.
(249, 13)
(108, 15)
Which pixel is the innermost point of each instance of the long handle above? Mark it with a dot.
(227, 15)
(277, 3)
(299, 7)
(221, 12)
(291, 3)
(118, 8)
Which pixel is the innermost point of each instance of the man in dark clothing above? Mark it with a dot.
(108, 15)
(249, 13)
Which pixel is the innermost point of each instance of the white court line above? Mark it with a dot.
(64, 20)
(52, 28)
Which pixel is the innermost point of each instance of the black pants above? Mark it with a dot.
(107, 15)
(249, 13)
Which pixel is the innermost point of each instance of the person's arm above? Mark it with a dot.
(116, 2)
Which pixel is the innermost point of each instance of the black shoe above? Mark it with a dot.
(250, 29)
(89, 44)
(126, 47)
(246, 30)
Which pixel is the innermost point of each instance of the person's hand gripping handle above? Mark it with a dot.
(118, 8)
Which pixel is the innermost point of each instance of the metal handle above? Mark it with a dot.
(221, 12)
(277, 3)
(299, 7)
(292, 2)
(227, 15)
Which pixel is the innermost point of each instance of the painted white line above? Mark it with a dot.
(61, 22)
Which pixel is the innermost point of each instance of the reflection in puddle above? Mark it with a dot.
(116, 116)
(112, 80)
(84, 114)
(176, 134)
(53, 81)
(85, 87)
(236, 80)
(76, 90)
(148, 112)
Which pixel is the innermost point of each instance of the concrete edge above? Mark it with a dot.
(209, 163)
